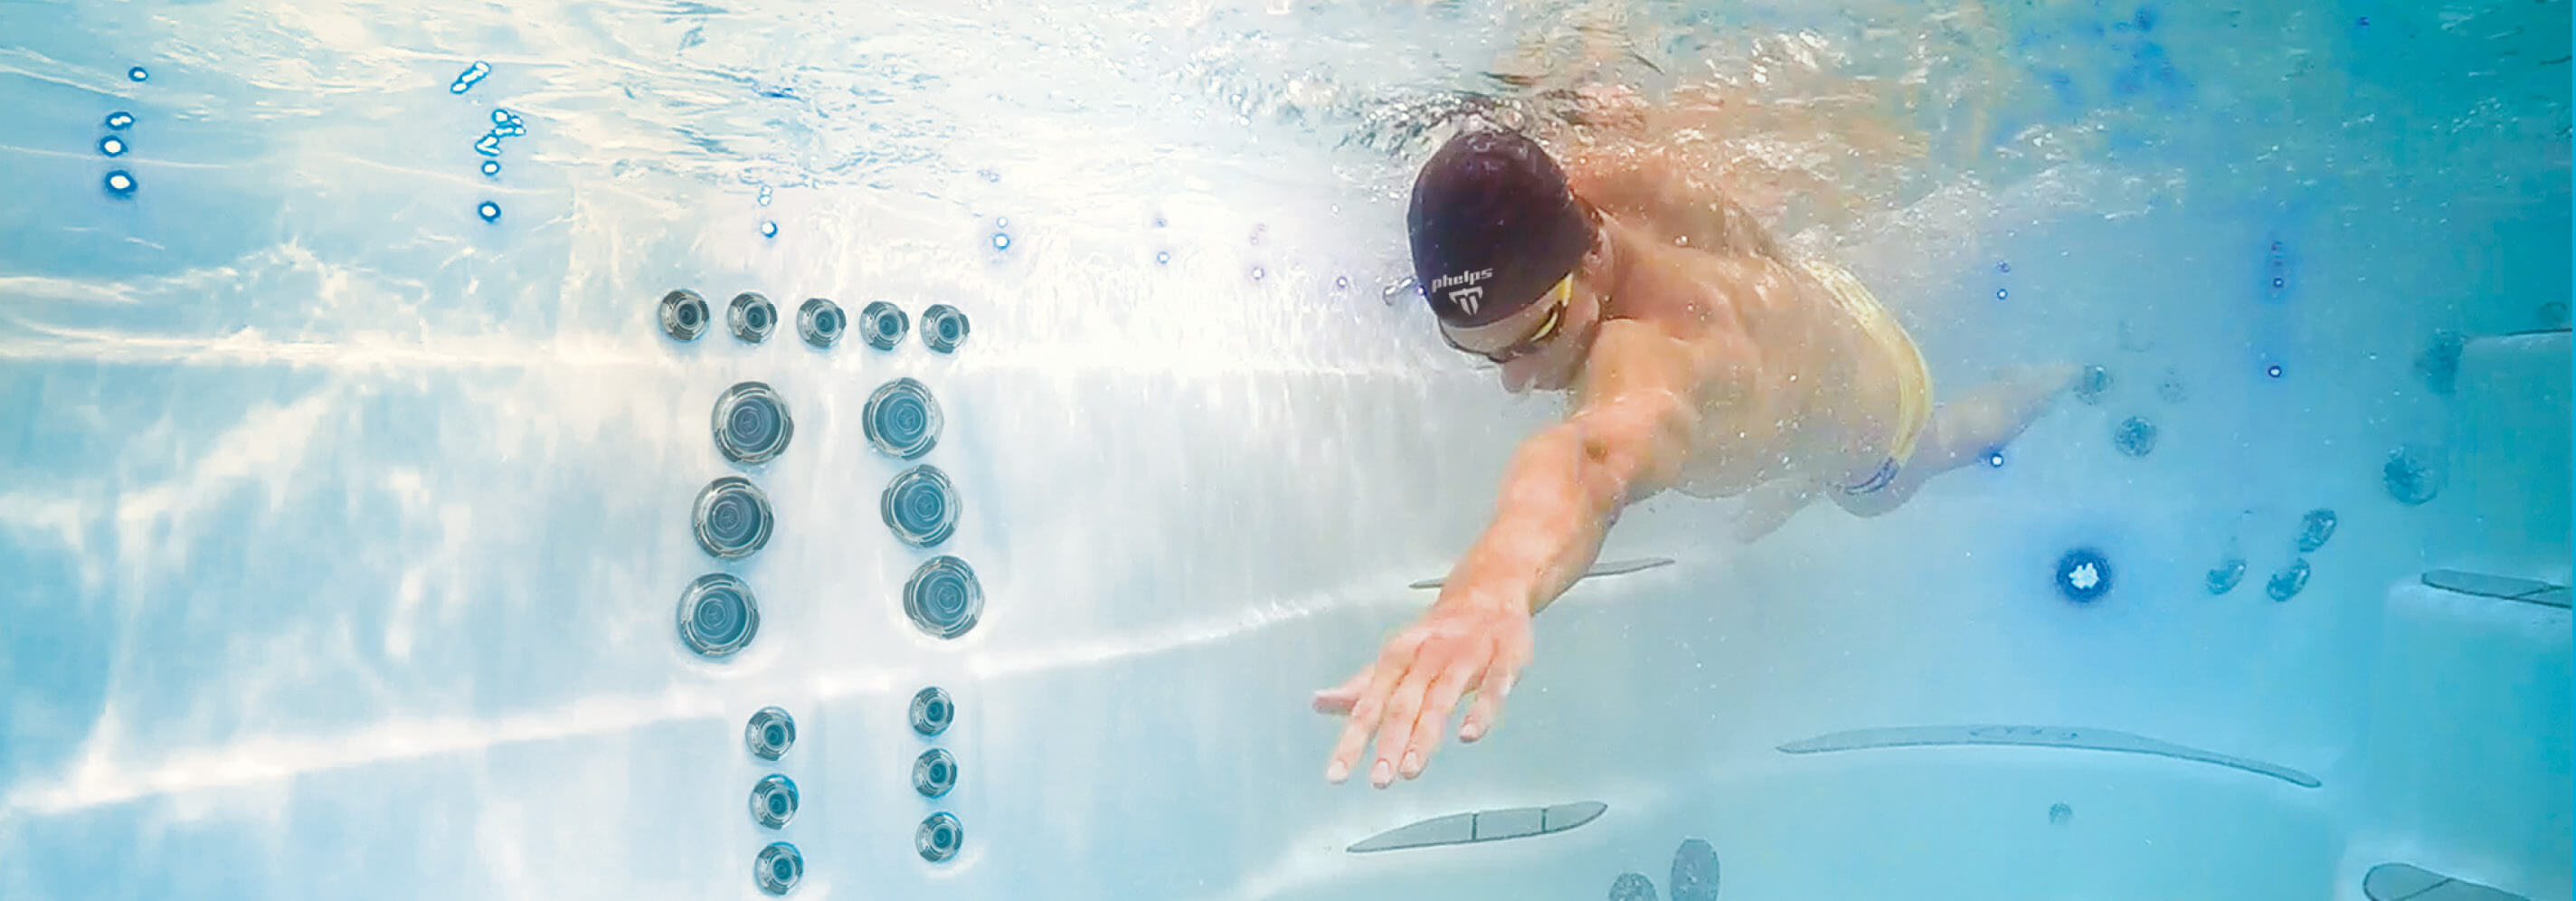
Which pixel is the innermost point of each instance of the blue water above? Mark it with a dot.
(345, 464)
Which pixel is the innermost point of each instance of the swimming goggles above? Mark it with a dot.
(1558, 296)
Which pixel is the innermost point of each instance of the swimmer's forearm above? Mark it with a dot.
(1560, 496)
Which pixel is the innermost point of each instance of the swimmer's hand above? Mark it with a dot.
(1462, 644)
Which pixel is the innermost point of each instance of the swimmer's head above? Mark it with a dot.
(1495, 230)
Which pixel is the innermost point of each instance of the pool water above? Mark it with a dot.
(353, 468)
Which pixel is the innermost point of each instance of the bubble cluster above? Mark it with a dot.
(2134, 436)
(2413, 474)
(120, 120)
(2224, 577)
(2287, 583)
(2083, 575)
(2315, 529)
(473, 75)
(2092, 384)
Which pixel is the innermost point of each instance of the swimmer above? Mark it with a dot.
(1696, 354)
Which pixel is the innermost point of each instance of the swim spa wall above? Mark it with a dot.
(352, 524)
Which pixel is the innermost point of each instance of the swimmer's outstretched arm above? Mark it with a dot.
(1562, 491)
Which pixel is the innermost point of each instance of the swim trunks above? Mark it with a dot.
(1914, 378)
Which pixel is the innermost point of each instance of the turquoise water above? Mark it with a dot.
(346, 494)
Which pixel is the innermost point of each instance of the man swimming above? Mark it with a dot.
(1697, 355)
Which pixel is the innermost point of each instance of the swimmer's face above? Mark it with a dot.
(1544, 346)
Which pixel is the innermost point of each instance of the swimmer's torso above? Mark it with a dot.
(1787, 383)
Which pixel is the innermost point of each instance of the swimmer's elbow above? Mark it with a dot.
(1635, 450)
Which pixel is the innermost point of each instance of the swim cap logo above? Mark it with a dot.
(1469, 295)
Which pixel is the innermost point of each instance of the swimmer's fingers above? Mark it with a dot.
(1443, 699)
(1395, 732)
(1368, 707)
(1492, 689)
(1340, 698)
(1485, 712)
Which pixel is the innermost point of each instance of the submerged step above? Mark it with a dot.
(2408, 882)
(1604, 568)
(1483, 826)
(2489, 585)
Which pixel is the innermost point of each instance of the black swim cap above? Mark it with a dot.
(1493, 227)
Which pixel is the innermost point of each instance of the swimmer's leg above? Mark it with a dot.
(1964, 432)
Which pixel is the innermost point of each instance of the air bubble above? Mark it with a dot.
(2224, 577)
(1162, 258)
(731, 518)
(718, 615)
(2273, 370)
(942, 598)
(2173, 389)
(137, 74)
(778, 868)
(1341, 282)
(2287, 583)
(491, 167)
(491, 212)
(120, 183)
(2083, 575)
(2413, 474)
(1001, 241)
(901, 419)
(2315, 529)
(2438, 365)
(768, 229)
(2000, 294)
(751, 317)
(112, 145)
(1995, 459)
(763, 200)
(769, 733)
(820, 322)
(751, 423)
(2134, 436)
(2090, 386)
(120, 120)
(1257, 273)
(920, 506)
(467, 79)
